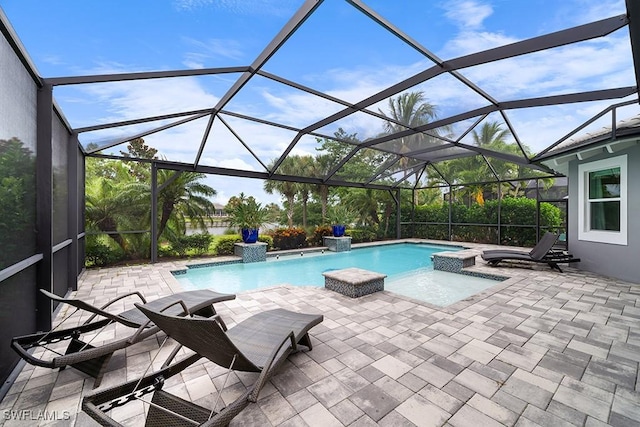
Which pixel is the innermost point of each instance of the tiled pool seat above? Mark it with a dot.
(337, 244)
(453, 262)
(354, 282)
(251, 252)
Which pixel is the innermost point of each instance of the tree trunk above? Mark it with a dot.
(290, 211)
(304, 211)
(167, 210)
(109, 225)
(387, 214)
(324, 199)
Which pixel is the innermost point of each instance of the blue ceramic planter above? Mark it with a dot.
(338, 230)
(249, 235)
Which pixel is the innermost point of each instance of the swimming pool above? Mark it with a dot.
(408, 268)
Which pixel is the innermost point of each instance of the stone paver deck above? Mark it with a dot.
(541, 348)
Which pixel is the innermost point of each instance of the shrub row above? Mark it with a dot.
(198, 244)
(517, 218)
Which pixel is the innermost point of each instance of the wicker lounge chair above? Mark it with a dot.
(543, 252)
(92, 360)
(260, 343)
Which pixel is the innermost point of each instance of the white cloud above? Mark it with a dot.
(590, 10)
(208, 51)
(233, 163)
(468, 42)
(242, 7)
(467, 14)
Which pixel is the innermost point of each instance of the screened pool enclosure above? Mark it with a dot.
(425, 124)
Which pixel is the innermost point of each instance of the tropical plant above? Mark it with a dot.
(245, 213)
(409, 110)
(365, 204)
(340, 214)
(183, 196)
(473, 171)
(115, 204)
(118, 198)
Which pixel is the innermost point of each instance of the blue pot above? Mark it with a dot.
(249, 235)
(338, 230)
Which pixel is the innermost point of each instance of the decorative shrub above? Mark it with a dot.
(318, 233)
(98, 254)
(289, 238)
(265, 238)
(360, 235)
(198, 243)
(224, 244)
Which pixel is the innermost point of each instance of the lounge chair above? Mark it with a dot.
(543, 252)
(92, 360)
(260, 343)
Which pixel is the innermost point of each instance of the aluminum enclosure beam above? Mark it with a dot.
(287, 31)
(633, 14)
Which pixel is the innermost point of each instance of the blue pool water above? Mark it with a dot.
(408, 268)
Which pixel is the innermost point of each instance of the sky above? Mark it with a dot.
(338, 50)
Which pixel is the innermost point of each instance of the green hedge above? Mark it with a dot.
(224, 244)
(517, 216)
(197, 244)
(360, 235)
(99, 254)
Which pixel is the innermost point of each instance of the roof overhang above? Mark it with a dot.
(560, 162)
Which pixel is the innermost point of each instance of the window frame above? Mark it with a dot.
(584, 212)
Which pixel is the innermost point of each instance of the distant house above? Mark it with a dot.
(219, 210)
(603, 169)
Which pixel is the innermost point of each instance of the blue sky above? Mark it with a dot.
(338, 51)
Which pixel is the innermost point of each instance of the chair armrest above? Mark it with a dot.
(24, 354)
(144, 301)
(141, 328)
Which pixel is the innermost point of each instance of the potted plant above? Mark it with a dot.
(339, 217)
(248, 215)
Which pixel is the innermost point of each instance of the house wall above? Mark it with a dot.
(622, 262)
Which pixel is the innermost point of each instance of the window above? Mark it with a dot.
(602, 201)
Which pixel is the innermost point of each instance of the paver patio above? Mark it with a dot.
(541, 348)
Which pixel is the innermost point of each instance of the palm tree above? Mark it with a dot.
(184, 197)
(365, 204)
(475, 169)
(321, 166)
(491, 135)
(411, 110)
(305, 168)
(287, 188)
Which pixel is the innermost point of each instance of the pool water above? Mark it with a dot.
(408, 268)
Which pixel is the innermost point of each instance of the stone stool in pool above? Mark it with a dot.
(354, 282)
